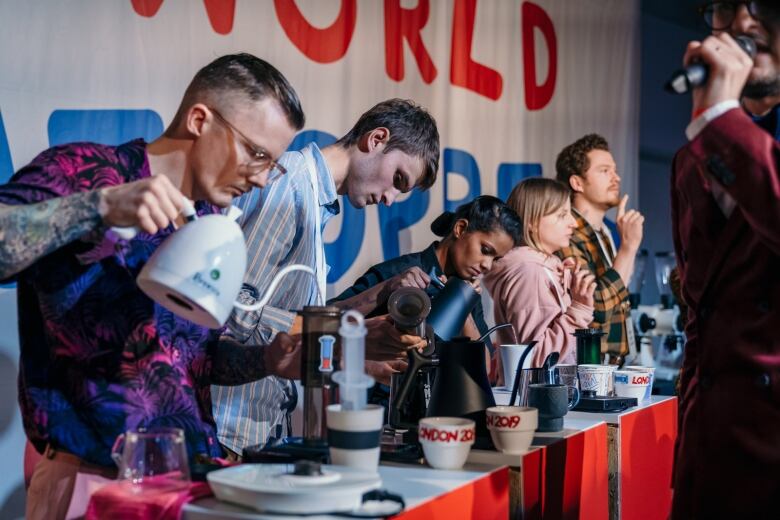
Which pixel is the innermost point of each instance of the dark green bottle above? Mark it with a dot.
(589, 346)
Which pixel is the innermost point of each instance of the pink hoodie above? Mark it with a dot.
(536, 303)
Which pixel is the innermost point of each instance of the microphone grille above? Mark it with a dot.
(747, 44)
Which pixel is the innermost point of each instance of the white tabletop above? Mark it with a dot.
(416, 484)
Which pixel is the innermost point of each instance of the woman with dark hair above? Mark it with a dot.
(474, 237)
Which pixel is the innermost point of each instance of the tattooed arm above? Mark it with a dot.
(32, 231)
(238, 364)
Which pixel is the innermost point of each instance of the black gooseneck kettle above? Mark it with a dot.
(461, 387)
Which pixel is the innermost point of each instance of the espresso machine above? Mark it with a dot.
(662, 321)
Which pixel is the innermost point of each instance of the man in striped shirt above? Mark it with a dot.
(392, 149)
(589, 169)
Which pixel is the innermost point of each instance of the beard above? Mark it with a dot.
(613, 201)
(761, 88)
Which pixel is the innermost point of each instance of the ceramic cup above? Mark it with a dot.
(512, 427)
(595, 379)
(553, 403)
(632, 383)
(353, 436)
(446, 441)
(651, 371)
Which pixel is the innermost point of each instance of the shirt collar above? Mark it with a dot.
(430, 258)
(327, 194)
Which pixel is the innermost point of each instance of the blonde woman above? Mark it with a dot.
(544, 298)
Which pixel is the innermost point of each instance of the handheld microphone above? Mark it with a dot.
(696, 74)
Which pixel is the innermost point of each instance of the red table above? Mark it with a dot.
(641, 441)
(563, 475)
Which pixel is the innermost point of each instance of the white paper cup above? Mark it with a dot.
(632, 383)
(512, 427)
(353, 436)
(595, 378)
(510, 356)
(651, 371)
(446, 441)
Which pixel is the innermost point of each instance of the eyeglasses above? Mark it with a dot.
(720, 15)
(260, 159)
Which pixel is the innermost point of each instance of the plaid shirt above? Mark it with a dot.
(611, 305)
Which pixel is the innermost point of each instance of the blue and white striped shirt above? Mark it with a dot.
(279, 228)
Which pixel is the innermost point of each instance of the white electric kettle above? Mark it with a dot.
(197, 272)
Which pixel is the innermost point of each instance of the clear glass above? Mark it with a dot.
(152, 458)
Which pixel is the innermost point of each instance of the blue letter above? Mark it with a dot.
(109, 127)
(6, 166)
(463, 164)
(400, 215)
(510, 174)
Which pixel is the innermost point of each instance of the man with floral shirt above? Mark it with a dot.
(98, 357)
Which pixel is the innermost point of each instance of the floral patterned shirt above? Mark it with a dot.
(98, 357)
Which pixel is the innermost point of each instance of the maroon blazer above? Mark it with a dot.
(728, 449)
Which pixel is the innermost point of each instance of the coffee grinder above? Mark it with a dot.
(319, 359)
(410, 391)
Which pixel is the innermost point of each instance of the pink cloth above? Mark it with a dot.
(536, 304)
(153, 500)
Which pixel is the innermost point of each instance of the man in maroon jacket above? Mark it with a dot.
(726, 219)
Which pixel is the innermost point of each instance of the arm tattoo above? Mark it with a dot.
(237, 364)
(32, 231)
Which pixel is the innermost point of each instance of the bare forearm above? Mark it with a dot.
(364, 302)
(31, 231)
(624, 263)
(237, 364)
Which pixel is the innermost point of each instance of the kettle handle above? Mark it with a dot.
(416, 362)
(187, 211)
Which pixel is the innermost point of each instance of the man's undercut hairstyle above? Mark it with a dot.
(573, 160)
(247, 76)
(412, 131)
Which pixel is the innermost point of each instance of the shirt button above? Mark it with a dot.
(705, 382)
(763, 306)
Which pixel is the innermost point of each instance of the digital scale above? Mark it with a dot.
(604, 404)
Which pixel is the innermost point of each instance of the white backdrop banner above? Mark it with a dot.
(509, 82)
